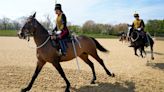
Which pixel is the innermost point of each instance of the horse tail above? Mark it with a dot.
(99, 46)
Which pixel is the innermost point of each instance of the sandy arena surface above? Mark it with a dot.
(133, 74)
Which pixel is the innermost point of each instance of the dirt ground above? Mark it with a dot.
(133, 74)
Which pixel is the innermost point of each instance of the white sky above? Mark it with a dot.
(79, 11)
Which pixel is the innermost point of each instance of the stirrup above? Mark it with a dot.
(60, 52)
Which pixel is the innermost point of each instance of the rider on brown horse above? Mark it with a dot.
(138, 25)
(61, 28)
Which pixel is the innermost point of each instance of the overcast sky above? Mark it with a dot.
(79, 11)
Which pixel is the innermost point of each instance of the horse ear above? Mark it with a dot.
(34, 15)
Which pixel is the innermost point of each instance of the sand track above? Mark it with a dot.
(133, 74)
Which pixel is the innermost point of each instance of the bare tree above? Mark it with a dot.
(5, 22)
(21, 20)
(16, 25)
(47, 23)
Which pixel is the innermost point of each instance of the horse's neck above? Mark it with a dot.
(40, 34)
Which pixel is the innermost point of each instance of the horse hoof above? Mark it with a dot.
(152, 58)
(136, 55)
(112, 75)
(67, 90)
(92, 82)
(23, 90)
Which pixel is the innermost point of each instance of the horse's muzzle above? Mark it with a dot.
(20, 34)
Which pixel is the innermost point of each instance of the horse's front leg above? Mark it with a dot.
(141, 52)
(37, 70)
(144, 52)
(61, 72)
(135, 51)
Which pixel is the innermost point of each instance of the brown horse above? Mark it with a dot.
(47, 53)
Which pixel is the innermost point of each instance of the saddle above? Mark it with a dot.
(55, 42)
(67, 39)
(62, 44)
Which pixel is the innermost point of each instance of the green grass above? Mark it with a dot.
(8, 33)
(14, 33)
(98, 35)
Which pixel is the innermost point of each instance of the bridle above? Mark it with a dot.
(41, 45)
(27, 34)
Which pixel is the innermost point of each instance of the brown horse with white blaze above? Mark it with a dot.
(47, 53)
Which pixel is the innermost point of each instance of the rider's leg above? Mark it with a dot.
(144, 35)
(63, 47)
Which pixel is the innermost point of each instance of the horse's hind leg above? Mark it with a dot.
(37, 70)
(84, 57)
(102, 64)
(143, 49)
(61, 72)
(152, 54)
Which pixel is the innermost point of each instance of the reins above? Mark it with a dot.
(133, 40)
(40, 46)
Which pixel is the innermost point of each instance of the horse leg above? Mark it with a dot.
(120, 39)
(61, 72)
(143, 49)
(102, 64)
(37, 71)
(84, 57)
(135, 51)
(152, 54)
(141, 52)
(151, 43)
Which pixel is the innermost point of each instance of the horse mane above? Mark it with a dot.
(42, 27)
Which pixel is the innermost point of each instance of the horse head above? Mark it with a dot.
(29, 27)
(134, 36)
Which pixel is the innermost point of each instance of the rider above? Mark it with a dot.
(61, 28)
(138, 24)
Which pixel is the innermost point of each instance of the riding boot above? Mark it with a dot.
(63, 47)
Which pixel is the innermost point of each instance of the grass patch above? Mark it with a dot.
(98, 35)
(8, 33)
(14, 33)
